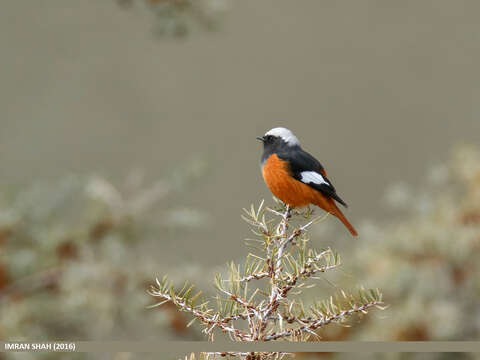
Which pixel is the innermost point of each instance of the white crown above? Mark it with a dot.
(285, 134)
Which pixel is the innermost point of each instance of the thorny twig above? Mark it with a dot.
(212, 321)
(285, 260)
(313, 325)
(250, 355)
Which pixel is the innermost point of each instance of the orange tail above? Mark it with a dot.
(332, 208)
(345, 222)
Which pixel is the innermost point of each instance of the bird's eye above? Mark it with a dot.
(269, 138)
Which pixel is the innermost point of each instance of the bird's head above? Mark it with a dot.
(277, 137)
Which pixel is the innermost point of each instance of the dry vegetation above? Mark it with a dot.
(260, 300)
(64, 246)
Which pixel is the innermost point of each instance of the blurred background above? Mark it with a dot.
(127, 147)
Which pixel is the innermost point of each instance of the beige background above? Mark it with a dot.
(377, 90)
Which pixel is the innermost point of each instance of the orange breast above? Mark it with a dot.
(285, 187)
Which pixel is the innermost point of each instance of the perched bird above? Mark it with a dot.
(296, 177)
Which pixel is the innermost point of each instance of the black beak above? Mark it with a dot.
(261, 138)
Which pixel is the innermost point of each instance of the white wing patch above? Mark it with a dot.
(313, 177)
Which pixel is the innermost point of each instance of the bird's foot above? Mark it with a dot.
(288, 212)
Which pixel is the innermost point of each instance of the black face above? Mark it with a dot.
(270, 140)
(272, 144)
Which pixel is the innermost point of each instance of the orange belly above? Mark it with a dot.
(286, 188)
(295, 193)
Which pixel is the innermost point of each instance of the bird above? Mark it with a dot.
(296, 177)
